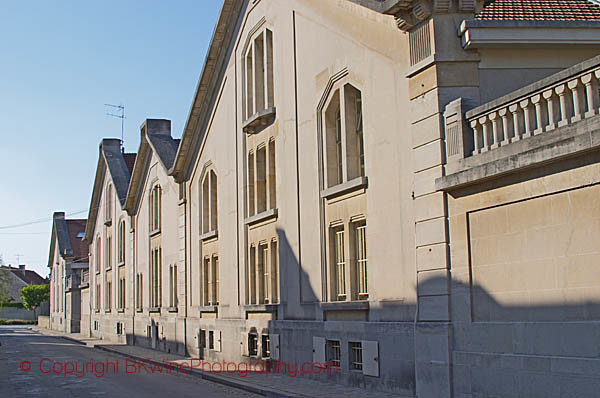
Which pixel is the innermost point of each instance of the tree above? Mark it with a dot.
(34, 295)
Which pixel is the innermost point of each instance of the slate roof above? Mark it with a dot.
(129, 161)
(540, 10)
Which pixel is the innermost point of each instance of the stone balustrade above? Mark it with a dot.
(556, 101)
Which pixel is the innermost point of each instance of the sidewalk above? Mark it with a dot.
(271, 385)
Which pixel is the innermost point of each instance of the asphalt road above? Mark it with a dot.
(49, 358)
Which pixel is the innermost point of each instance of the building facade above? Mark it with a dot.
(68, 263)
(405, 191)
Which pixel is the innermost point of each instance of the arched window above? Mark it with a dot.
(121, 243)
(108, 203)
(209, 202)
(344, 144)
(258, 74)
(97, 260)
(155, 208)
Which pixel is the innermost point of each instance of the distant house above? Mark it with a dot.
(68, 263)
(21, 277)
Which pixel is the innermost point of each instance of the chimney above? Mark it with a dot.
(156, 127)
(22, 266)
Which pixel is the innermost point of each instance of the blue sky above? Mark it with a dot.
(60, 61)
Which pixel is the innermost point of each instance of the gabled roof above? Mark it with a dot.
(29, 277)
(155, 137)
(540, 10)
(117, 163)
(70, 246)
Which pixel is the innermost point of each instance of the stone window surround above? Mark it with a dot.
(334, 98)
(258, 104)
(261, 189)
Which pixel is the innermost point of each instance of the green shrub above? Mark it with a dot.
(16, 322)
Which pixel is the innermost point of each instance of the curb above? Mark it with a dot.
(238, 384)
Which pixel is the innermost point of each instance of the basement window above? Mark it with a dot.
(333, 353)
(266, 346)
(252, 344)
(355, 350)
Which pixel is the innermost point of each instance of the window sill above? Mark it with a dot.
(139, 310)
(172, 309)
(264, 216)
(154, 232)
(208, 308)
(357, 305)
(345, 187)
(209, 235)
(97, 311)
(154, 309)
(261, 307)
(107, 311)
(120, 265)
(181, 202)
(259, 121)
(84, 285)
(121, 310)
(98, 272)
(108, 223)
(108, 269)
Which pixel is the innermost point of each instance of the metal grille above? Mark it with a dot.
(333, 352)
(340, 265)
(361, 260)
(356, 356)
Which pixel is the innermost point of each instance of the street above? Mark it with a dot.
(88, 371)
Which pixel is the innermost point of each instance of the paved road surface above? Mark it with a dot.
(50, 354)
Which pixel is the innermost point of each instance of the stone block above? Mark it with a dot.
(431, 232)
(429, 206)
(434, 308)
(432, 257)
(427, 156)
(431, 283)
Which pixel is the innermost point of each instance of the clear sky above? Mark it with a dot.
(60, 62)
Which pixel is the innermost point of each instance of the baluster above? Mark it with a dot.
(565, 105)
(496, 132)
(540, 115)
(506, 126)
(517, 123)
(591, 94)
(477, 139)
(552, 109)
(486, 134)
(575, 87)
(527, 117)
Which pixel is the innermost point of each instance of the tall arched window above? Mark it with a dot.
(121, 243)
(209, 202)
(97, 260)
(155, 208)
(108, 204)
(344, 144)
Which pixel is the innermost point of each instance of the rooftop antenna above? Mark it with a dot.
(18, 256)
(120, 109)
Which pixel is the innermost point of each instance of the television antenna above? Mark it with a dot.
(18, 256)
(120, 114)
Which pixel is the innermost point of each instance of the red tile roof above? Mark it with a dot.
(78, 245)
(129, 161)
(29, 277)
(540, 10)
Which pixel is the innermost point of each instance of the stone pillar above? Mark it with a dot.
(435, 79)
